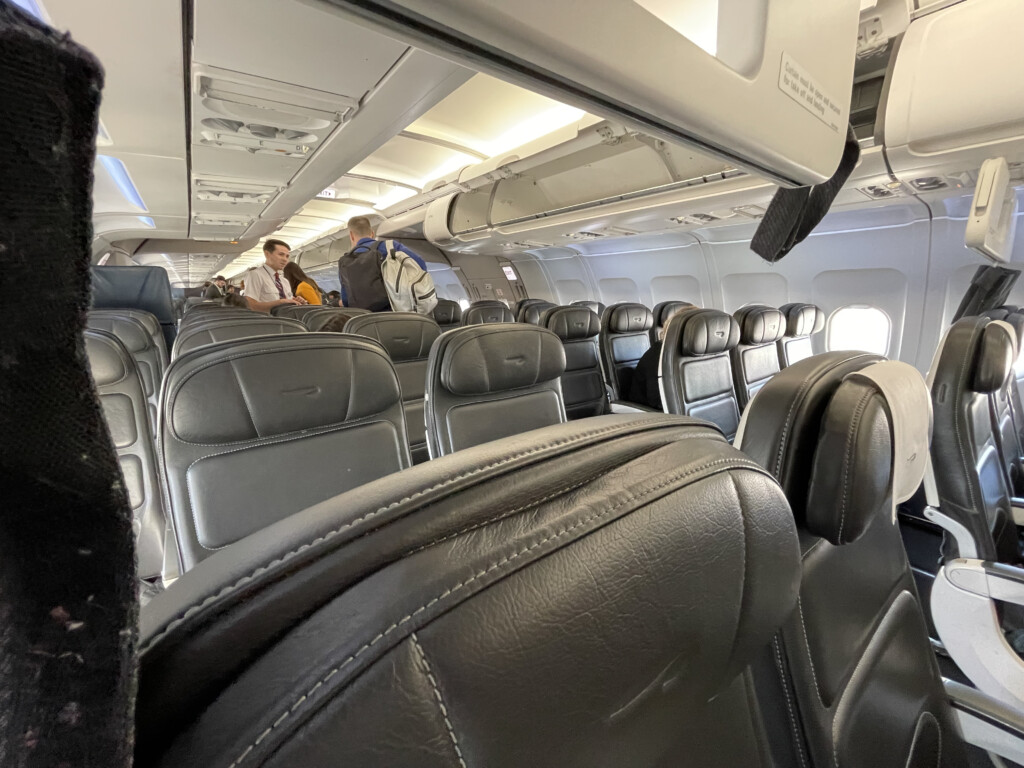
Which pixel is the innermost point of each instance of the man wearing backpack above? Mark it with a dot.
(381, 275)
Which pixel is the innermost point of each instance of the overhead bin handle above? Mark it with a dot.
(794, 213)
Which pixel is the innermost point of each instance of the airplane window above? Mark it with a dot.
(859, 327)
(464, 303)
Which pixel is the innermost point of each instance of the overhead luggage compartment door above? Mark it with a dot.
(766, 85)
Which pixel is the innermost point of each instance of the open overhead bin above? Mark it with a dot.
(762, 85)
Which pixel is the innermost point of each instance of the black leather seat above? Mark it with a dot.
(756, 359)
(295, 311)
(867, 687)
(407, 337)
(520, 307)
(696, 370)
(219, 314)
(143, 288)
(624, 338)
(533, 314)
(975, 361)
(583, 390)
(594, 306)
(229, 329)
(1006, 410)
(321, 316)
(479, 314)
(802, 320)
(661, 314)
(486, 382)
(584, 595)
(448, 314)
(258, 429)
(125, 407)
(141, 334)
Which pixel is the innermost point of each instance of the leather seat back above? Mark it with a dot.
(802, 320)
(479, 314)
(125, 407)
(534, 313)
(229, 329)
(826, 432)
(407, 337)
(487, 609)
(295, 311)
(756, 359)
(594, 306)
(1006, 407)
(448, 314)
(662, 313)
(583, 389)
(145, 342)
(486, 382)
(256, 430)
(624, 338)
(974, 361)
(217, 312)
(696, 371)
(321, 316)
(144, 288)
(520, 307)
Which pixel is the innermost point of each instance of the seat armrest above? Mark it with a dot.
(987, 722)
(621, 406)
(965, 543)
(966, 617)
(1017, 508)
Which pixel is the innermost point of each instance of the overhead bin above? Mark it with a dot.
(956, 95)
(765, 85)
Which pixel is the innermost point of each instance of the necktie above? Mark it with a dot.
(280, 288)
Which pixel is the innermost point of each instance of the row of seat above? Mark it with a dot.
(493, 607)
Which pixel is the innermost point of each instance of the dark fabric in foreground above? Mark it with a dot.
(67, 601)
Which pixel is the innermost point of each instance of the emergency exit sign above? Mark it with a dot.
(330, 194)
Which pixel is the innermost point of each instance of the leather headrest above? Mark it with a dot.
(533, 313)
(483, 359)
(488, 313)
(663, 312)
(405, 335)
(783, 424)
(131, 332)
(447, 312)
(266, 386)
(760, 324)
(594, 306)
(802, 319)
(706, 332)
(629, 318)
(108, 359)
(572, 323)
(996, 354)
(872, 450)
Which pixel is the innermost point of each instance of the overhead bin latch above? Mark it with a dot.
(992, 221)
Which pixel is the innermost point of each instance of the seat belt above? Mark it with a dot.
(794, 213)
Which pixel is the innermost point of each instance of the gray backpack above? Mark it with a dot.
(410, 287)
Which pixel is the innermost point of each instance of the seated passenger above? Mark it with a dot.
(234, 300)
(644, 388)
(333, 299)
(303, 285)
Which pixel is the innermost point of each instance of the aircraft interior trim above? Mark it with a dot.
(416, 383)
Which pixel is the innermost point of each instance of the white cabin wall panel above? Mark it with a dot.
(568, 278)
(535, 279)
(656, 268)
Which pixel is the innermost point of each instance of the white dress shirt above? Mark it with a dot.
(260, 285)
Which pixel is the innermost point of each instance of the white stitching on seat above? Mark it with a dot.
(440, 699)
(731, 462)
(807, 644)
(789, 701)
(439, 486)
(858, 412)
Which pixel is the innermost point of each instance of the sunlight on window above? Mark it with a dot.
(464, 303)
(859, 327)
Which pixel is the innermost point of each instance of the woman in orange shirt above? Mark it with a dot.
(303, 286)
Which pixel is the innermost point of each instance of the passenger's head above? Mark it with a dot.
(668, 318)
(234, 300)
(276, 252)
(335, 324)
(333, 295)
(229, 288)
(358, 228)
(296, 275)
(220, 281)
